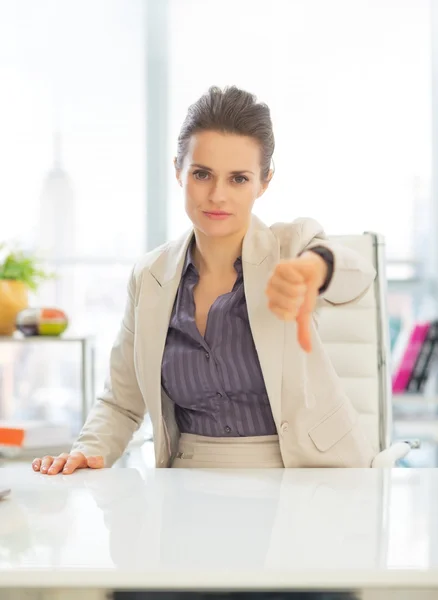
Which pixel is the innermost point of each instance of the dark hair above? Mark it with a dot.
(230, 110)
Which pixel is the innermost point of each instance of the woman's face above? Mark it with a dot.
(221, 180)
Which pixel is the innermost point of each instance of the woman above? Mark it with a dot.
(218, 341)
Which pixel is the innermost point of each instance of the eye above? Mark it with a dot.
(240, 179)
(201, 175)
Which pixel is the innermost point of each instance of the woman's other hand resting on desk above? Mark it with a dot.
(66, 463)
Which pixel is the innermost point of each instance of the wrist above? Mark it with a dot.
(321, 267)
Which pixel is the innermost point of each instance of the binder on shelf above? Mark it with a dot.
(409, 357)
(421, 371)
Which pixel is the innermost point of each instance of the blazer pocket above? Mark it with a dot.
(333, 427)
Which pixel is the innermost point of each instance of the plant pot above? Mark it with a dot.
(13, 298)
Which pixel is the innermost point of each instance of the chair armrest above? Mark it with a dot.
(388, 458)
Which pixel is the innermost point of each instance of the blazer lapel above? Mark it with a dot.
(157, 296)
(261, 252)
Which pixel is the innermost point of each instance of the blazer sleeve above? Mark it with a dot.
(119, 410)
(352, 275)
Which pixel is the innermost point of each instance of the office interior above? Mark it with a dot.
(93, 96)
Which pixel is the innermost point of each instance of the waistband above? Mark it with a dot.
(197, 451)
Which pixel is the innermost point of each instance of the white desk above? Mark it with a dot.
(181, 529)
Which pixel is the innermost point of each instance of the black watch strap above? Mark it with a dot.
(327, 255)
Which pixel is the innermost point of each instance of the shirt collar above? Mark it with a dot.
(189, 262)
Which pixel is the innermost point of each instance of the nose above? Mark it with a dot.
(218, 192)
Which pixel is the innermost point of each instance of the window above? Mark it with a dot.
(72, 152)
(349, 86)
(348, 83)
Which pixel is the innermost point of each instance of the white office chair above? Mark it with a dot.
(357, 339)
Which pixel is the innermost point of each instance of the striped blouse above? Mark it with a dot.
(215, 381)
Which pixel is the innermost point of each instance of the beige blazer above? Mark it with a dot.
(316, 422)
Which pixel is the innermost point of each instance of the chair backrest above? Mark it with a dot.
(356, 337)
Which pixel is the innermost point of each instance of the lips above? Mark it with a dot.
(217, 215)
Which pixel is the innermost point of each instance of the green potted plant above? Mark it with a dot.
(19, 273)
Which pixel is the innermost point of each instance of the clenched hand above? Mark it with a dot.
(292, 292)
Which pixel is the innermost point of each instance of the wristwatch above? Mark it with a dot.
(329, 259)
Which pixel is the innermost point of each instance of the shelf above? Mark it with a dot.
(414, 400)
(37, 339)
(23, 454)
(425, 431)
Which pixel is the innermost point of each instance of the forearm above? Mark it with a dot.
(107, 431)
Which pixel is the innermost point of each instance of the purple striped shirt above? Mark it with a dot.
(215, 381)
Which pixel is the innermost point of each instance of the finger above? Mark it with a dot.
(285, 303)
(58, 464)
(282, 286)
(290, 272)
(310, 298)
(46, 463)
(304, 319)
(283, 315)
(303, 331)
(73, 462)
(95, 462)
(36, 464)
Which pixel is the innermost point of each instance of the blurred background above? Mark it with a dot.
(93, 94)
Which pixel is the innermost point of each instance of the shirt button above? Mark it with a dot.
(228, 429)
(219, 395)
(207, 355)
